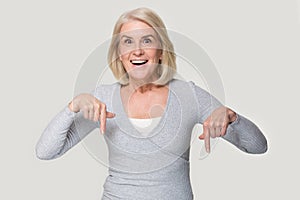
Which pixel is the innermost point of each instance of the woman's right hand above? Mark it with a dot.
(92, 109)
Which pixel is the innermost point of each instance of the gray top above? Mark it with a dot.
(152, 167)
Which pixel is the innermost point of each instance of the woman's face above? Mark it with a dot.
(139, 50)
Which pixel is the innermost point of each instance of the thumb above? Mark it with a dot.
(110, 115)
(201, 137)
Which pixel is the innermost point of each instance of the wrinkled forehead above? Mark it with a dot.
(138, 33)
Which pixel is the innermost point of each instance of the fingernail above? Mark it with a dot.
(102, 131)
(208, 150)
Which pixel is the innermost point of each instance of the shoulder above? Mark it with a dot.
(104, 90)
(178, 83)
(190, 89)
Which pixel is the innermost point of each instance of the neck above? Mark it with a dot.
(141, 86)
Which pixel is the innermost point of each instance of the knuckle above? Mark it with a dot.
(96, 105)
(85, 107)
(206, 124)
(218, 124)
(91, 107)
(224, 125)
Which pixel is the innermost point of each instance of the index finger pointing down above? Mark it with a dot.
(207, 139)
(102, 118)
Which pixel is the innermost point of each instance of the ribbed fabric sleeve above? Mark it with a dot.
(64, 131)
(242, 133)
(152, 167)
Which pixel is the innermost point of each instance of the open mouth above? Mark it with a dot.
(138, 62)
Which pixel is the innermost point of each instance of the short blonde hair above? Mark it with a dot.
(166, 67)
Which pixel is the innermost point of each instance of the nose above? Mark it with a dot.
(138, 51)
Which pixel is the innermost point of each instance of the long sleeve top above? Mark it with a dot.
(156, 166)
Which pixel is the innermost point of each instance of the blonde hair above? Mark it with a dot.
(166, 67)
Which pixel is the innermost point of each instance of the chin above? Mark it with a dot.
(139, 77)
(141, 73)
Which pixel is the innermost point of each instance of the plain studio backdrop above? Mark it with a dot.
(253, 44)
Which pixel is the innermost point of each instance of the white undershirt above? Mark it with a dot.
(145, 126)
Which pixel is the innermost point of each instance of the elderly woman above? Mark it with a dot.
(147, 116)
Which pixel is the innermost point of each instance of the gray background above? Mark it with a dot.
(255, 47)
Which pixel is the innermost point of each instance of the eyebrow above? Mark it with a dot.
(145, 36)
(126, 36)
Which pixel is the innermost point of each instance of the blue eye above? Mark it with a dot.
(128, 41)
(147, 41)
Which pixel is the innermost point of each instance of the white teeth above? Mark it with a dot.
(139, 62)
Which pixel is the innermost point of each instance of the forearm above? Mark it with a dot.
(245, 135)
(64, 131)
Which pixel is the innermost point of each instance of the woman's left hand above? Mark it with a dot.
(216, 124)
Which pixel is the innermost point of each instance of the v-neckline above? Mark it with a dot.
(123, 121)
